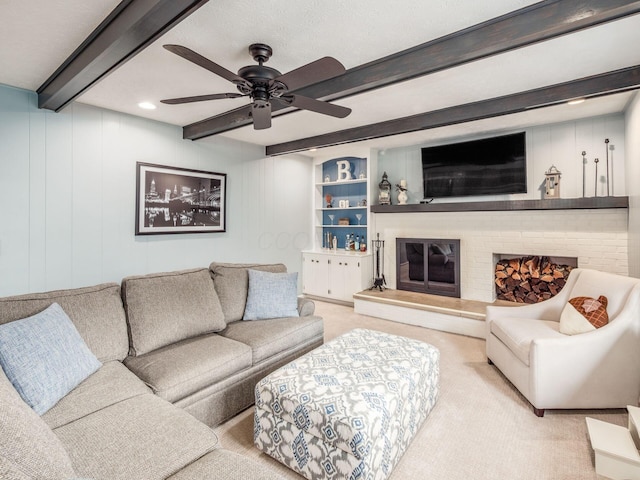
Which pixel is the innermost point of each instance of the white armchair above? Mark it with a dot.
(598, 369)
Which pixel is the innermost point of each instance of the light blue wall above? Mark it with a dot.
(67, 196)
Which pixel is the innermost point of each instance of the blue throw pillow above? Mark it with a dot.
(45, 357)
(271, 295)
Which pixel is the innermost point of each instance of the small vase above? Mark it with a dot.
(402, 197)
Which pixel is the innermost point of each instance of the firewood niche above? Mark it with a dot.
(529, 279)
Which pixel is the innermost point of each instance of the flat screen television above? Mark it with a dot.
(490, 166)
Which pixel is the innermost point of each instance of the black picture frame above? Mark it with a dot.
(179, 200)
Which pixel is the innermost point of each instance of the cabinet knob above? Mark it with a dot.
(346, 264)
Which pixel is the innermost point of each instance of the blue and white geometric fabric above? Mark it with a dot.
(350, 408)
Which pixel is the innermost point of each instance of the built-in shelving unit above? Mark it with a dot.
(506, 205)
(341, 191)
(336, 274)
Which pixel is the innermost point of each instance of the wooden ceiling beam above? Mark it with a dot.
(128, 29)
(598, 85)
(536, 23)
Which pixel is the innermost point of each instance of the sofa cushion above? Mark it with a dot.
(518, 333)
(178, 370)
(583, 314)
(45, 357)
(231, 281)
(269, 337)
(28, 448)
(271, 295)
(96, 312)
(225, 465)
(164, 308)
(111, 384)
(143, 437)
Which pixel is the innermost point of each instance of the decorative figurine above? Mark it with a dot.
(328, 198)
(552, 183)
(402, 192)
(384, 197)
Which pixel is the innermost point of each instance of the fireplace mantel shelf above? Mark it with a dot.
(508, 205)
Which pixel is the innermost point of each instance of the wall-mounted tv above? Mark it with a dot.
(490, 166)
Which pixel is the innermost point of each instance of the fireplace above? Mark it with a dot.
(428, 265)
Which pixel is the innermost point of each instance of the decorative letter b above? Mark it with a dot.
(344, 170)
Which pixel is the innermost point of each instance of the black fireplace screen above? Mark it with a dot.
(428, 266)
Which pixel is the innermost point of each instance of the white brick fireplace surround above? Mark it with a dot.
(597, 238)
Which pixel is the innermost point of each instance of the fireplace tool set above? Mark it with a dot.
(379, 281)
(609, 170)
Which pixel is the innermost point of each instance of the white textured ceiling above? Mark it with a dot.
(37, 36)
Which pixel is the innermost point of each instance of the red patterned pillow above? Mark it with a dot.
(584, 314)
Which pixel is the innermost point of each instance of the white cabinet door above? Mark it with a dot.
(347, 275)
(335, 276)
(315, 274)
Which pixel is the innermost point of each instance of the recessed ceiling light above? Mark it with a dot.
(575, 101)
(147, 105)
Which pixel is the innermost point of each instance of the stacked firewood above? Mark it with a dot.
(529, 279)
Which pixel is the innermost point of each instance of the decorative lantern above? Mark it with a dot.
(552, 183)
(384, 197)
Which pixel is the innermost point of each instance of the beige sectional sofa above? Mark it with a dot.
(177, 359)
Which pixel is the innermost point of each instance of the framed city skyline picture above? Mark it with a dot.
(179, 200)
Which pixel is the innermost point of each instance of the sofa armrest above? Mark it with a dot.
(546, 310)
(306, 307)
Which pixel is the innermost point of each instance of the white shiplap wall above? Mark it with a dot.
(67, 194)
(557, 144)
(633, 183)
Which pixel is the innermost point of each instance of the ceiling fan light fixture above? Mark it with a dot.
(147, 106)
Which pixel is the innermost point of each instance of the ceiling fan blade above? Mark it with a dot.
(314, 72)
(314, 105)
(203, 62)
(261, 116)
(201, 98)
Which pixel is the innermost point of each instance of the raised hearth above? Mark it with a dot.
(454, 315)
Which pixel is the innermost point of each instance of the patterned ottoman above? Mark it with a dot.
(348, 409)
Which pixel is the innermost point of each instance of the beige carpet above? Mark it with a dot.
(481, 428)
